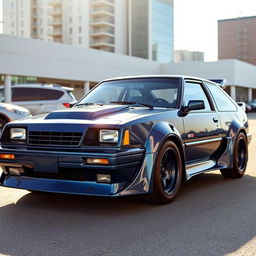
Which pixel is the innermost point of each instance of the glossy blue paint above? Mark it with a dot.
(205, 140)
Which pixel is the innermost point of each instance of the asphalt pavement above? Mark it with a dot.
(210, 216)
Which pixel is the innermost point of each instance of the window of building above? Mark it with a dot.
(80, 40)
(80, 29)
(70, 19)
(222, 100)
(70, 30)
(194, 91)
(80, 18)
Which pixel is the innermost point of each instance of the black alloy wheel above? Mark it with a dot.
(167, 173)
(240, 158)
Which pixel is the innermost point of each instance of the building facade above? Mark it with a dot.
(151, 31)
(236, 39)
(185, 56)
(138, 28)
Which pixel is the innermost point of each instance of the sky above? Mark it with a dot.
(195, 22)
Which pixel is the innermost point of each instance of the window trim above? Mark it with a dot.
(225, 93)
(208, 96)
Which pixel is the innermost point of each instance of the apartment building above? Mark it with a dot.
(138, 28)
(236, 39)
(186, 56)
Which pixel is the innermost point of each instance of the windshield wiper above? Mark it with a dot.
(89, 104)
(131, 103)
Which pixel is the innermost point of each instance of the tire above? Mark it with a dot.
(167, 173)
(240, 157)
(2, 123)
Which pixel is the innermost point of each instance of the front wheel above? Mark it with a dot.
(240, 157)
(167, 173)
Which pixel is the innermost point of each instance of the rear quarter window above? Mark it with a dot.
(222, 99)
(35, 94)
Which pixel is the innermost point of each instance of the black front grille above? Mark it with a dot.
(71, 139)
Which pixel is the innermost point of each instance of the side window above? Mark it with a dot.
(35, 94)
(194, 91)
(221, 99)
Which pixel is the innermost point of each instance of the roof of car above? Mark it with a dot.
(171, 76)
(38, 85)
(155, 76)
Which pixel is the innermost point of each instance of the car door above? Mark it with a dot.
(202, 129)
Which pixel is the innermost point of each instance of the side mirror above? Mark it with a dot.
(195, 105)
(192, 105)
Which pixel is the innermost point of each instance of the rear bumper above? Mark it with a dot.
(68, 172)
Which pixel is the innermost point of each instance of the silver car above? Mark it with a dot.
(41, 98)
(10, 112)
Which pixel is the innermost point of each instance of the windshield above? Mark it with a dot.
(156, 92)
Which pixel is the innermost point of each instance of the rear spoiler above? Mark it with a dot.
(221, 82)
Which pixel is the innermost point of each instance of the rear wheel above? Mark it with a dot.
(167, 173)
(240, 157)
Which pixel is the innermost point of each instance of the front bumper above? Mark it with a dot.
(68, 172)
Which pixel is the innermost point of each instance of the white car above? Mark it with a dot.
(10, 112)
(41, 98)
(242, 105)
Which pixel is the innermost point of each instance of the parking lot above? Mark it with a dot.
(210, 216)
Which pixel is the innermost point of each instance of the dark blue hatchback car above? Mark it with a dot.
(134, 135)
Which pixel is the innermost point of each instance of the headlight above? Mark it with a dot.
(18, 133)
(108, 136)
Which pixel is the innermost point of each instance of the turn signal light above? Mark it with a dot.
(126, 140)
(97, 161)
(7, 156)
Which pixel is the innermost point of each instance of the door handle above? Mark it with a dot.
(215, 120)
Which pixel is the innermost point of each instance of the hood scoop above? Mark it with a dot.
(85, 113)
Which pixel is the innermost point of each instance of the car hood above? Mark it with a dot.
(106, 114)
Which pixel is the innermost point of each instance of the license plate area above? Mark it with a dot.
(45, 164)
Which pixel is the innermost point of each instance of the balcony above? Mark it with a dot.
(102, 2)
(102, 21)
(55, 32)
(100, 11)
(108, 42)
(55, 22)
(107, 31)
(55, 3)
(55, 12)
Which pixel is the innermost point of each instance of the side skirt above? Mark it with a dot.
(201, 167)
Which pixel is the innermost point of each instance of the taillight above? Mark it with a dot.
(66, 105)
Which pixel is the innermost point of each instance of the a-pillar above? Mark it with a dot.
(86, 87)
(7, 89)
(233, 92)
(249, 94)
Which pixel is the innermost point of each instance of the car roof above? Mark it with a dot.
(158, 76)
(38, 85)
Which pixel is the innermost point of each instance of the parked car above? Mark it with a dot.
(10, 112)
(242, 105)
(41, 98)
(252, 103)
(248, 108)
(135, 135)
